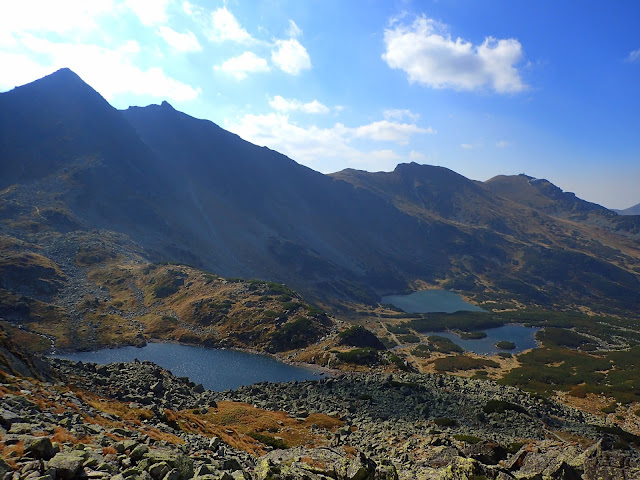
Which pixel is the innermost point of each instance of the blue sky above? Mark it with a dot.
(547, 88)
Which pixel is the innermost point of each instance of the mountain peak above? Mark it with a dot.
(64, 77)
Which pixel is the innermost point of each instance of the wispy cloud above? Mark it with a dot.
(633, 56)
(291, 105)
(426, 52)
(400, 114)
(318, 147)
(417, 156)
(387, 131)
(466, 146)
(182, 42)
(294, 30)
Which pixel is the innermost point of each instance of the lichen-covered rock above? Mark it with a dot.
(601, 461)
(177, 461)
(39, 447)
(67, 464)
(320, 463)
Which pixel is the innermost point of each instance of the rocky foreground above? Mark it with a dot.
(136, 420)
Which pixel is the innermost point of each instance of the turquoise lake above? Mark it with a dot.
(523, 337)
(431, 301)
(216, 369)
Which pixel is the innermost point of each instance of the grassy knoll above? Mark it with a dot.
(551, 368)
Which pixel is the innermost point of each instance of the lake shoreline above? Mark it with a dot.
(217, 368)
(310, 366)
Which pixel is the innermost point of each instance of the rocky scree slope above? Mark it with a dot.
(386, 427)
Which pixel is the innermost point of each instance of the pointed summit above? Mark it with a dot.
(62, 81)
(69, 119)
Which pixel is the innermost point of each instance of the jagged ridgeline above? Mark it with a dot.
(121, 227)
(180, 189)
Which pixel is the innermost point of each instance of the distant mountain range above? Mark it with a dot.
(185, 190)
(635, 210)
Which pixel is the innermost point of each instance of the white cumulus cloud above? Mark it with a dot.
(225, 26)
(290, 56)
(426, 52)
(48, 16)
(149, 12)
(183, 42)
(291, 105)
(246, 63)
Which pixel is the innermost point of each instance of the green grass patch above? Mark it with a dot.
(408, 338)
(561, 337)
(296, 334)
(276, 443)
(472, 335)
(421, 351)
(398, 329)
(444, 344)
(398, 361)
(359, 356)
(462, 362)
(505, 345)
(544, 370)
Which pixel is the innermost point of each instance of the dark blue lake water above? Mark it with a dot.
(523, 337)
(431, 301)
(216, 369)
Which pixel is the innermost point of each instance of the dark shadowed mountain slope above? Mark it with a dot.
(186, 190)
(67, 152)
(275, 218)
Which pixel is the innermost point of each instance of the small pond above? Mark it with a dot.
(431, 301)
(523, 337)
(216, 369)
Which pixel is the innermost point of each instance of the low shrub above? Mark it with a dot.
(499, 406)
(359, 356)
(445, 422)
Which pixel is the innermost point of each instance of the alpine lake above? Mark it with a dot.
(224, 369)
(443, 301)
(215, 369)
